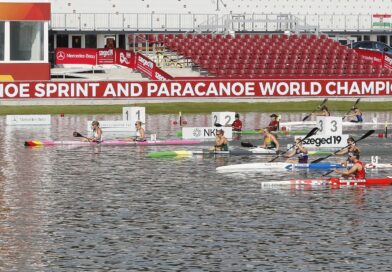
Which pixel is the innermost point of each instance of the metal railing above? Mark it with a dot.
(155, 22)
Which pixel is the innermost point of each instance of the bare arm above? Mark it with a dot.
(350, 171)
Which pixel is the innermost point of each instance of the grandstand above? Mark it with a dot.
(227, 38)
(259, 56)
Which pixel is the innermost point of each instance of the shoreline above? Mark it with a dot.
(197, 107)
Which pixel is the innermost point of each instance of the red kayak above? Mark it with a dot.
(332, 182)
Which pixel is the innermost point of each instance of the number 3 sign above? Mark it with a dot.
(329, 125)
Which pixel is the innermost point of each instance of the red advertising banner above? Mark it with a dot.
(199, 89)
(145, 65)
(159, 74)
(376, 57)
(105, 56)
(76, 56)
(125, 58)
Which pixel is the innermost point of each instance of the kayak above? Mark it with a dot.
(111, 142)
(332, 182)
(283, 166)
(187, 153)
(235, 152)
(254, 132)
(273, 166)
(299, 124)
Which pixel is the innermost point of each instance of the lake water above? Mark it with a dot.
(109, 208)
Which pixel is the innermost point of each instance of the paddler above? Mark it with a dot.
(351, 147)
(270, 141)
(300, 151)
(237, 124)
(140, 134)
(221, 143)
(97, 133)
(357, 114)
(274, 123)
(357, 171)
(323, 112)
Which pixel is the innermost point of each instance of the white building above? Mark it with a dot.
(78, 23)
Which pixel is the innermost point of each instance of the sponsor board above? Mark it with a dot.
(114, 126)
(328, 141)
(241, 88)
(204, 132)
(35, 119)
(76, 56)
(105, 56)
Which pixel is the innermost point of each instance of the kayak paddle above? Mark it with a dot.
(318, 107)
(367, 134)
(310, 133)
(326, 174)
(356, 102)
(77, 134)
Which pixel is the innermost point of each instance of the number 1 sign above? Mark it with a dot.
(134, 114)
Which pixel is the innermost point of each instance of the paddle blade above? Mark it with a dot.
(247, 144)
(311, 133)
(217, 125)
(326, 174)
(367, 134)
(77, 134)
(306, 117)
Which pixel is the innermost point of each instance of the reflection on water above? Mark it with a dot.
(110, 208)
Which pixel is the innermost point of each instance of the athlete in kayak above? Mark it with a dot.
(300, 151)
(237, 124)
(323, 112)
(270, 140)
(274, 124)
(357, 114)
(351, 147)
(221, 143)
(357, 171)
(97, 133)
(140, 134)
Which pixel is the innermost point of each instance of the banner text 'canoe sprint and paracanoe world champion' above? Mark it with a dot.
(196, 89)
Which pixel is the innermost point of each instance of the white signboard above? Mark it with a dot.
(38, 119)
(204, 132)
(329, 125)
(118, 126)
(224, 118)
(134, 114)
(329, 141)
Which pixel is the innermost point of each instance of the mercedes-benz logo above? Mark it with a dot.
(60, 55)
(197, 132)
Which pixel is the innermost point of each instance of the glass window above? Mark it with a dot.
(91, 41)
(2, 40)
(27, 40)
(62, 40)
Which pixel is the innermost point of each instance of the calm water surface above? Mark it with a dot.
(111, 208)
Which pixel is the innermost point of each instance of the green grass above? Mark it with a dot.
(197, 107)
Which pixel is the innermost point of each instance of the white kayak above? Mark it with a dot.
(283, 166)
(297, 124)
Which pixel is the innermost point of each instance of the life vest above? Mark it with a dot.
(302, 157)
(269, 143)
(360, 174)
